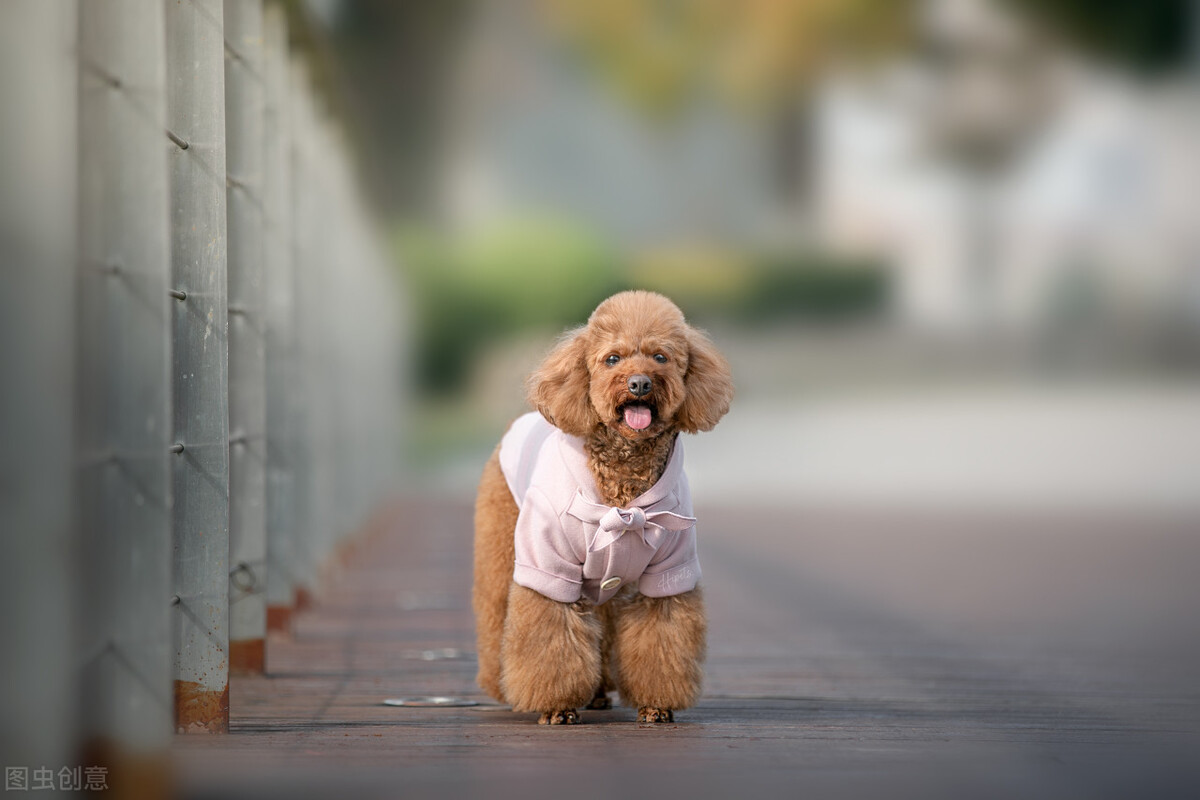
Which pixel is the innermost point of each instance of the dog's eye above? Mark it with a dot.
(612, 360)
(660, 358)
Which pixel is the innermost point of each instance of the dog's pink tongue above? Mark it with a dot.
(637, 417)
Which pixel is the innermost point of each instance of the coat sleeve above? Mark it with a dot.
(544, 559)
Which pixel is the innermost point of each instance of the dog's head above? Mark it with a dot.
(636, 367)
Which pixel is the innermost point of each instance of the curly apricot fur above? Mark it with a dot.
(550, 657)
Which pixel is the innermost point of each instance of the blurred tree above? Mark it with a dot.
(759, 57)
(520, 274)
(1145, 35)
(382, 67)
(756, 54)
(661, 54)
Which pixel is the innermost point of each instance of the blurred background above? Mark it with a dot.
(950, 247)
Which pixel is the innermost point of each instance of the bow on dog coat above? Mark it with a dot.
(571, 545)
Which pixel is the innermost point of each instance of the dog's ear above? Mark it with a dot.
(708, 383)
(559, 387)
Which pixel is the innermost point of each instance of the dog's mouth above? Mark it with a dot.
(638, 416)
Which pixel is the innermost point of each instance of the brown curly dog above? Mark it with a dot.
(585, 569)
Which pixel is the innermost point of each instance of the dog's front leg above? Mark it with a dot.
(550, 656)
(658, 653)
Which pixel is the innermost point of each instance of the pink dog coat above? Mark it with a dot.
(570, 545)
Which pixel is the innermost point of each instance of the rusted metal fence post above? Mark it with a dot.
(196, 130)
(245, 117)
(122, 381)
(283, 514)
(37, 204)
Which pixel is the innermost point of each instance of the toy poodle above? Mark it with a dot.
(585, 544)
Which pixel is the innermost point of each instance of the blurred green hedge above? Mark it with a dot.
(550, 274)
(521, 275)
(716, 286)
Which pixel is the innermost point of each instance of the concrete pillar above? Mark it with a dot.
(122, 384)
(38, 92)
(283, 502)
(323, 265)
(328, 276)
(245, 118)
(366, 359)
(200, 464)
(382, 375)
(309, 237)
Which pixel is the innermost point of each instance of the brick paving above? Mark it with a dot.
(852, 654)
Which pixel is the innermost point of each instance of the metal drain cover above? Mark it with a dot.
(426, 702)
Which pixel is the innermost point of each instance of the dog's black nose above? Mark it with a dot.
(639, 385)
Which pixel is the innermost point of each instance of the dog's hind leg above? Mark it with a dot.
(608, 613)
(658, 653)
(550, 657)
(495, 518)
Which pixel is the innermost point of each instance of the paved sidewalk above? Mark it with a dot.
(852, 654)
(1044, 447)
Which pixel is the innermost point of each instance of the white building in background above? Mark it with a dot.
(1092, 210)
(1106, 202)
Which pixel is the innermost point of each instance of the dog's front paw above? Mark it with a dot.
(568, 716)
(651, 714)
